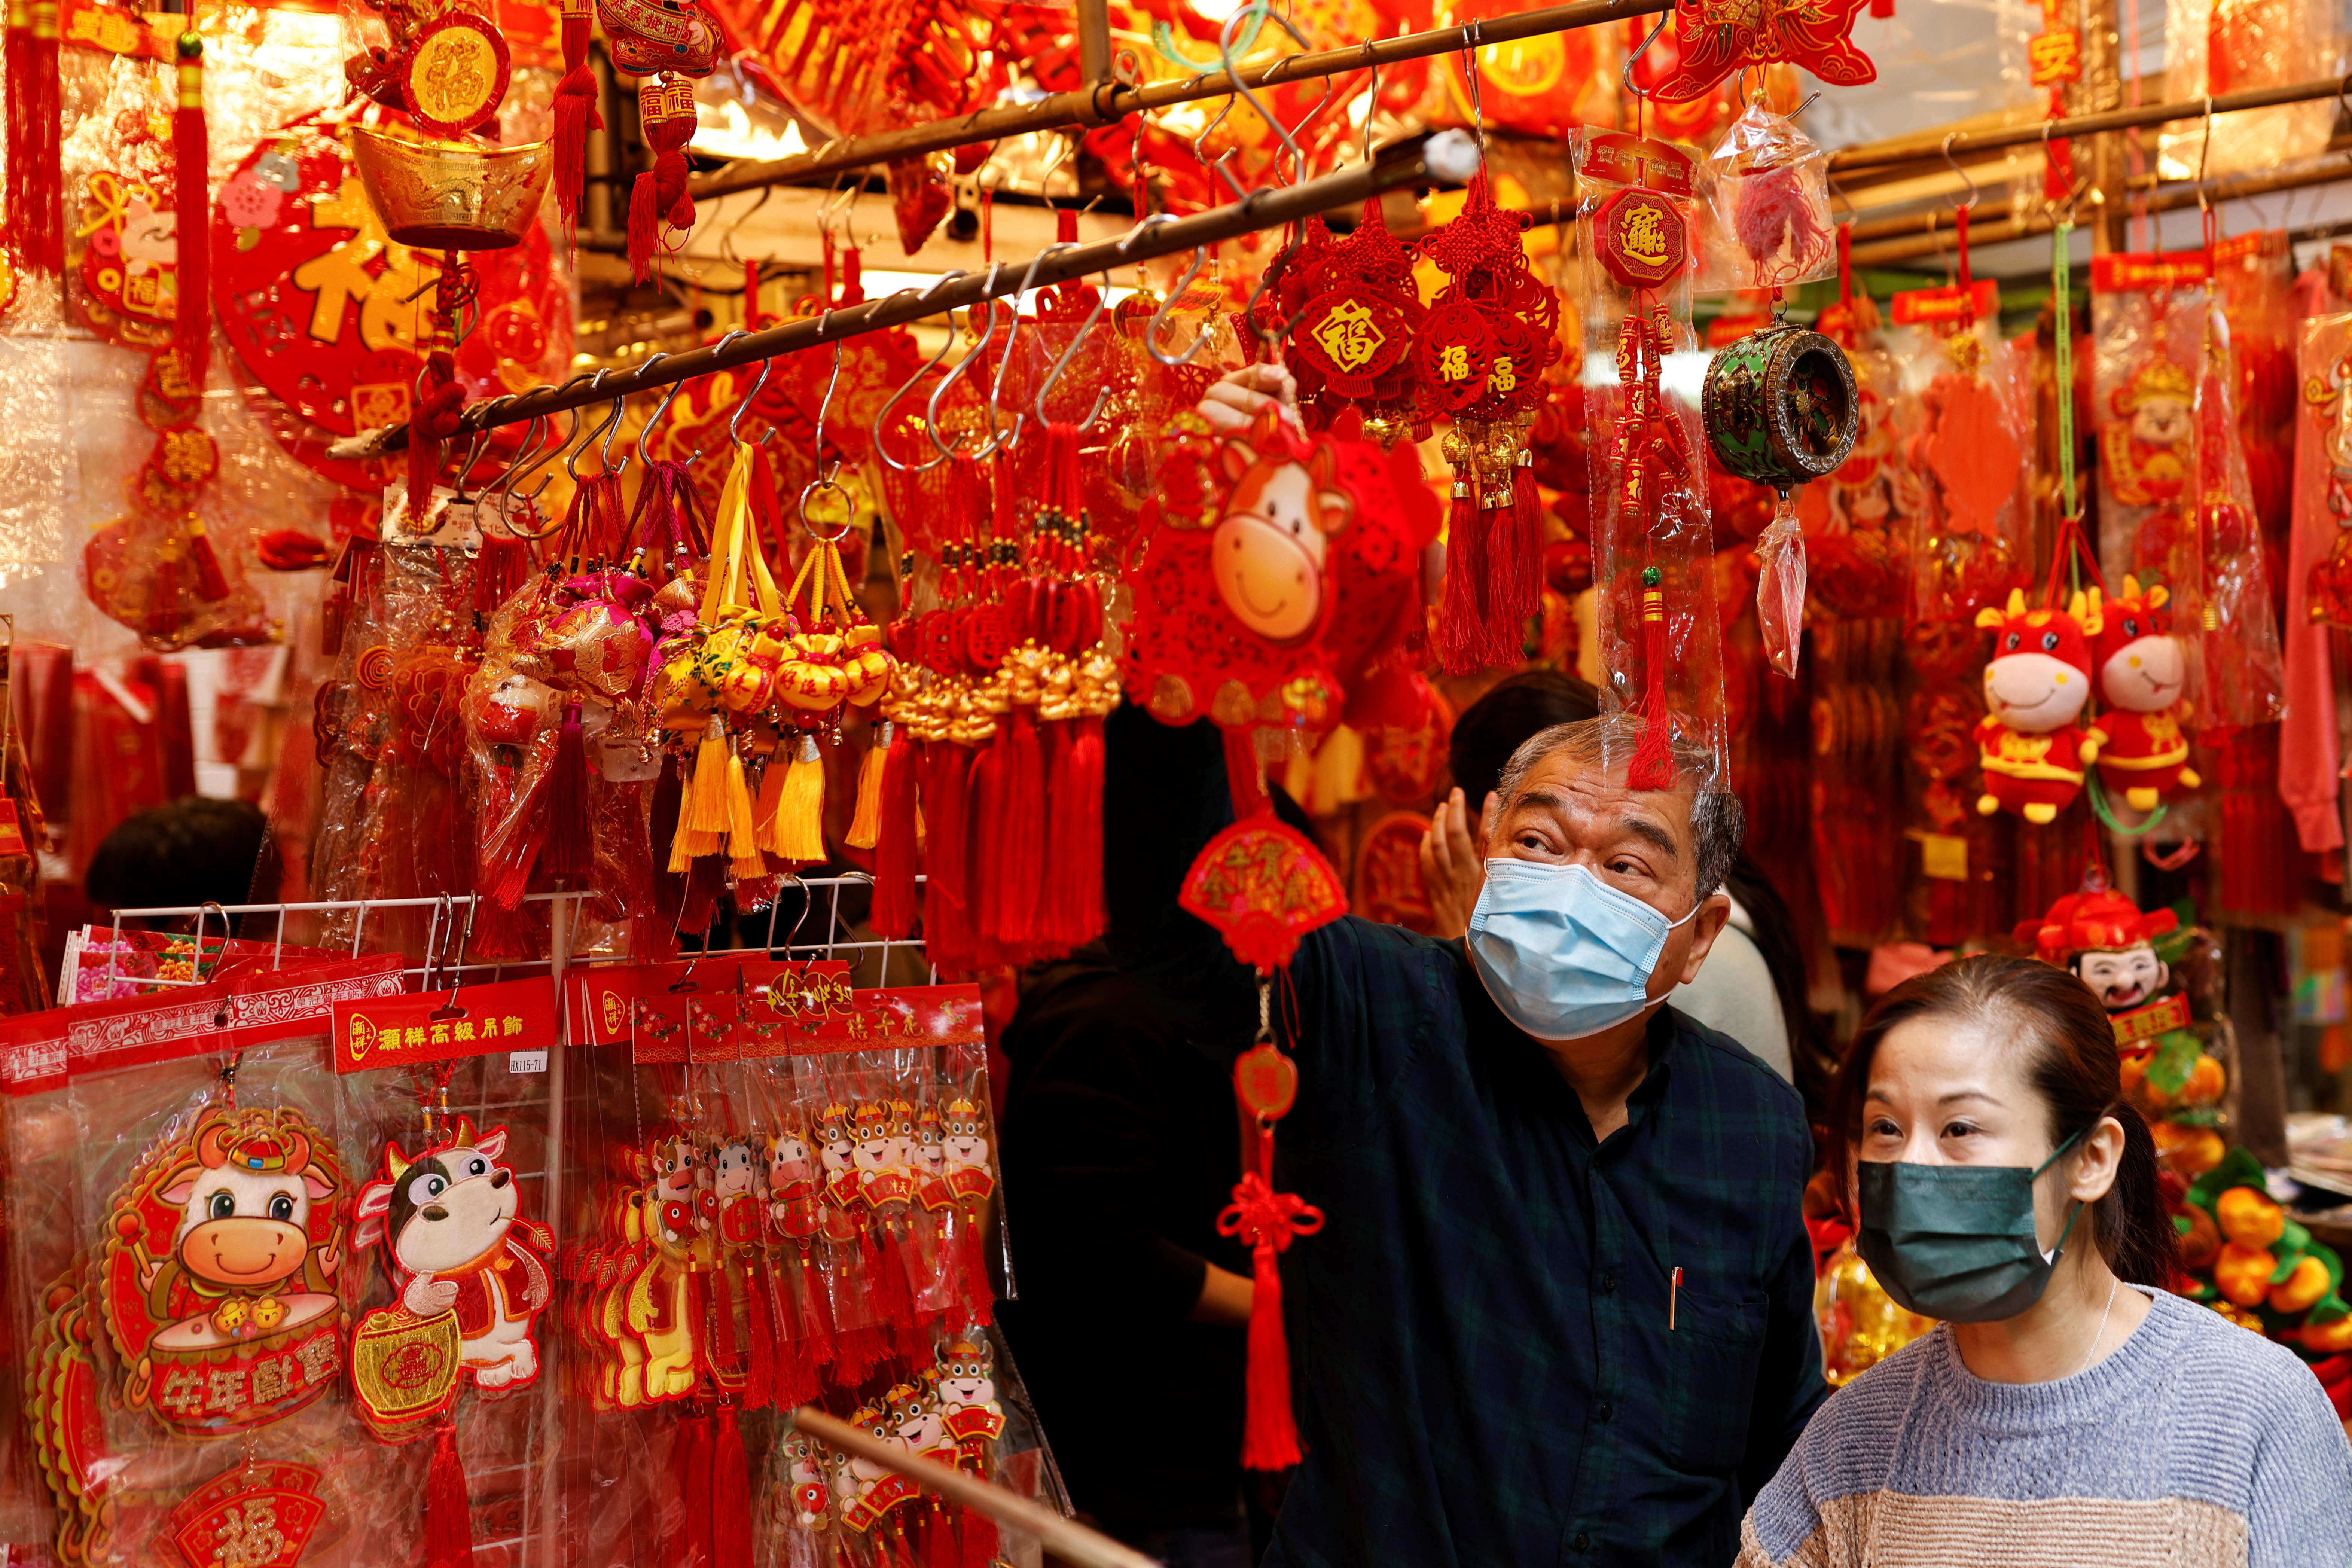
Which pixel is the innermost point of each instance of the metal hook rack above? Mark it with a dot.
(1449, 157)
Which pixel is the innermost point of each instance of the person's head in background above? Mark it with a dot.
(194, 850)
(1497, 723)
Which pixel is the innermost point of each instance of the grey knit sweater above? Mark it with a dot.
(2195, 1443)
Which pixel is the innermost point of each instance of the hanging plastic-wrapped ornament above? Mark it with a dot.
(1780, 404)
(1781, 409)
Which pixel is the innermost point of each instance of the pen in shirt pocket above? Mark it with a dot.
(1673, 1298)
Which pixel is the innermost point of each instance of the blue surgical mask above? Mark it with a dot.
(1562, 953)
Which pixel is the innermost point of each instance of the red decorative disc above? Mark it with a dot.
(1266, 1082)
(456, 75)
(1641, 237)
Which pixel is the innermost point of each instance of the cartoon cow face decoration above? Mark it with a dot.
(445, 1208)
(2141, 666)
(2039, 674)
(1268, 550)
(245, 1204)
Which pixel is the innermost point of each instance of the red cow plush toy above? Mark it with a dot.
(2142, 670)
(2035, 688)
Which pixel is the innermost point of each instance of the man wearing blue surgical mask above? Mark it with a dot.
(1561, 1310)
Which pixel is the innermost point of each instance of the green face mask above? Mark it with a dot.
(1957, 1242)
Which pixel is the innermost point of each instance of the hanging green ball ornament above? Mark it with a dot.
(1780, 406)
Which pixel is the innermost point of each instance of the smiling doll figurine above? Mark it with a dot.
(2142, 670)
(2035, 686)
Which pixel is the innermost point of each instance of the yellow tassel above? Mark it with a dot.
(798, 832)
(689, 841)
(743, 836)
(865, 826)
(771, 795)
(705, 794)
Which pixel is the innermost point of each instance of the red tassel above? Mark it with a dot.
(1519, 574)
(975, 1539)
(979, 1296)
(894, 851)
(192, 195)
(571, 849)
(1077, 808)
(694, 1487)
(730, 1495)
(946, 804)
(1469, 634)
(1022, 816)
(940, 1548)
(1269, 1432)
(704, 885)
(856, 1354)
(760, 1365)
(887, 1283)
(988, 834)
(575, 115)
(1653, 766)
(503, 868)
(448, 1514)
(665, 115)
(41, 171)
(435, 421)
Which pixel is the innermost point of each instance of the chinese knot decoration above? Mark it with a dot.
(1720, 36)
(1482, 353)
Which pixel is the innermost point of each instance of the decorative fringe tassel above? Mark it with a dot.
(886, 1281)
(1269, 1432)
(939, 1546)
(856, 1354)
(704, 883)
(1021, 814)
(1653, 766)
(192, 194)
(866, 824)
(791, 826)
(1466, 641)
(987, 835)
(813, 1342)
(972, 1259)
(666, 116)
(1077, 804)
(976, 1541)
(694, 1467)
(725, 1344)
(947, 800)
(730, 1495)
(1518, 569)
(575, 115)
(41, 171)
(500, 569)
(502, 871)
(448, 1514)
(706, 816)
(895, 849)
(760, 1365)
(571, 849)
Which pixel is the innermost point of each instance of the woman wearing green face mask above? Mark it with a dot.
(2070, 1409)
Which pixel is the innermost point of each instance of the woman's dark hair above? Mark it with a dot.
(1494, 726)
(2073, 1066)
(191, 850)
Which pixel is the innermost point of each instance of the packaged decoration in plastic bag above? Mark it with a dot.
(1766, 222)
(1969, 426)
(443, 1106)
(1659, 622)
(2176, 508)
(204, 1295)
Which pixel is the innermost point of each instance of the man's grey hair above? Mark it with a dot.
(1717, 821)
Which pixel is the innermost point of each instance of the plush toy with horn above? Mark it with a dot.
(2035, 686)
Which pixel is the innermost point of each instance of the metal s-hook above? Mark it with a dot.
(1152, 333)
(572, 459)
(660, 409)
(997, 441)
(503, 486)
(824, 405)
(882, 419)
(481, 438)
(1635, 57)
(1102, 300)
(961, 367)
(1953, 163)
(1473, 32)
(735, 420)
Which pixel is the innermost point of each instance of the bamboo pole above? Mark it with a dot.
(1450, 156)
(1064, 1538)
(1104, 103)
(1921, 148)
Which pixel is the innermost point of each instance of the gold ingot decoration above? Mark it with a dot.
(452, 195)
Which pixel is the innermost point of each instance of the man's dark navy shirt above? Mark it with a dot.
(1480, 1335)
